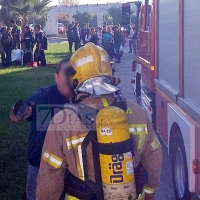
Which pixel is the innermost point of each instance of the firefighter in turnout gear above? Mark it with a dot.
(68, 163)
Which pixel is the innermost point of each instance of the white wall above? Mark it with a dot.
(99, 9)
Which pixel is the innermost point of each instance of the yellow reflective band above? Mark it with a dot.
(156, 143)
(138, 129)
(68, 197)
(105, 102)
(148, 190)
(141, 196)
(129, 111)
(52, 160)
(80, 163)
(73, 141)
(69, 144)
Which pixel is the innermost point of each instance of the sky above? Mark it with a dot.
(55, 2)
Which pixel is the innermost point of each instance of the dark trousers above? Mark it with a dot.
(132, 45)
(117, 53)
(108, 47)
(8, 58)
(77, 43)
(39, 56)
(3, 58)
(70, 41)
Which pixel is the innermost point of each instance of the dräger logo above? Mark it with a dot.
(116, 167)
(106, 131)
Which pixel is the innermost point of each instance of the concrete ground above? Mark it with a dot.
(124, 71)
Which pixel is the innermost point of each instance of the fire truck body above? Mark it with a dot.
(168, 59)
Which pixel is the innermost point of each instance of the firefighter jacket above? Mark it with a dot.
(62, 149)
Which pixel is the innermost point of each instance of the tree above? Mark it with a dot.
(23, 9)
(68, 2)
(115, 13)
(83, 17)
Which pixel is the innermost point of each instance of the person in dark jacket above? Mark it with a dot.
(70, 35)
(7, 42)
(16, 34)
(93, 36)
(118, 39)
(76, 35)
(28, 43)
(40, 49)
(84, 32)
(2, 52)
(39, 108)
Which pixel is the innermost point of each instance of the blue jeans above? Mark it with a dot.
(31, 182)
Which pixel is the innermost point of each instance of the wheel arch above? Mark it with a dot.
(173, 134)
(178, 122)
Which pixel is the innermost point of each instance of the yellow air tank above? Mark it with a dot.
(117, 170)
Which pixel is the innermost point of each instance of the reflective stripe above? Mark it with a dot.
(141, 196)
(52, 160)
(69, 144)
(83, 61)
(138, 129)
(105, 58)
(73, 141)
(148, 190)
(156, 143)
(105, 102)
(81, 162)
(68, 197)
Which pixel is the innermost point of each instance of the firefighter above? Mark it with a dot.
(93, 83)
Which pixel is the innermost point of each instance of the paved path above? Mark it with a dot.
(124, 71)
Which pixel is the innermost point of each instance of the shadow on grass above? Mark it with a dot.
(16, 85)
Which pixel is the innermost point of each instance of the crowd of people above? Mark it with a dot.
(111, 38)
(16, 45)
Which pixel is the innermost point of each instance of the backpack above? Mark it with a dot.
(44, 43)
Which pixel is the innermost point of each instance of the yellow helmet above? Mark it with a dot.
(90, 61)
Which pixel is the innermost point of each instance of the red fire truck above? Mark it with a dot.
(167, 64)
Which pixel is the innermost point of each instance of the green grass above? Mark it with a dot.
(56, 52)
(15, 84)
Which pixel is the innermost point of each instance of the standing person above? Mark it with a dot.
(70, 35)
(99, 36)
(76, 35)
(16, 34)
(131, 40)
(64, 141)
(118, 39)
(52, 97)
(84, 32)
(7, 42)
(41, 46)
(93, 36)
(28, 44)
(107, 38)
(3, 56)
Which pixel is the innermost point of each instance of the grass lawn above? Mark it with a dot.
(56, 52)
(15, 84)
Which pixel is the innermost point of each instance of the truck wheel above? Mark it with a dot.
(179, 168)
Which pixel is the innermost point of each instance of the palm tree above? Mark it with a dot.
(22, 9)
